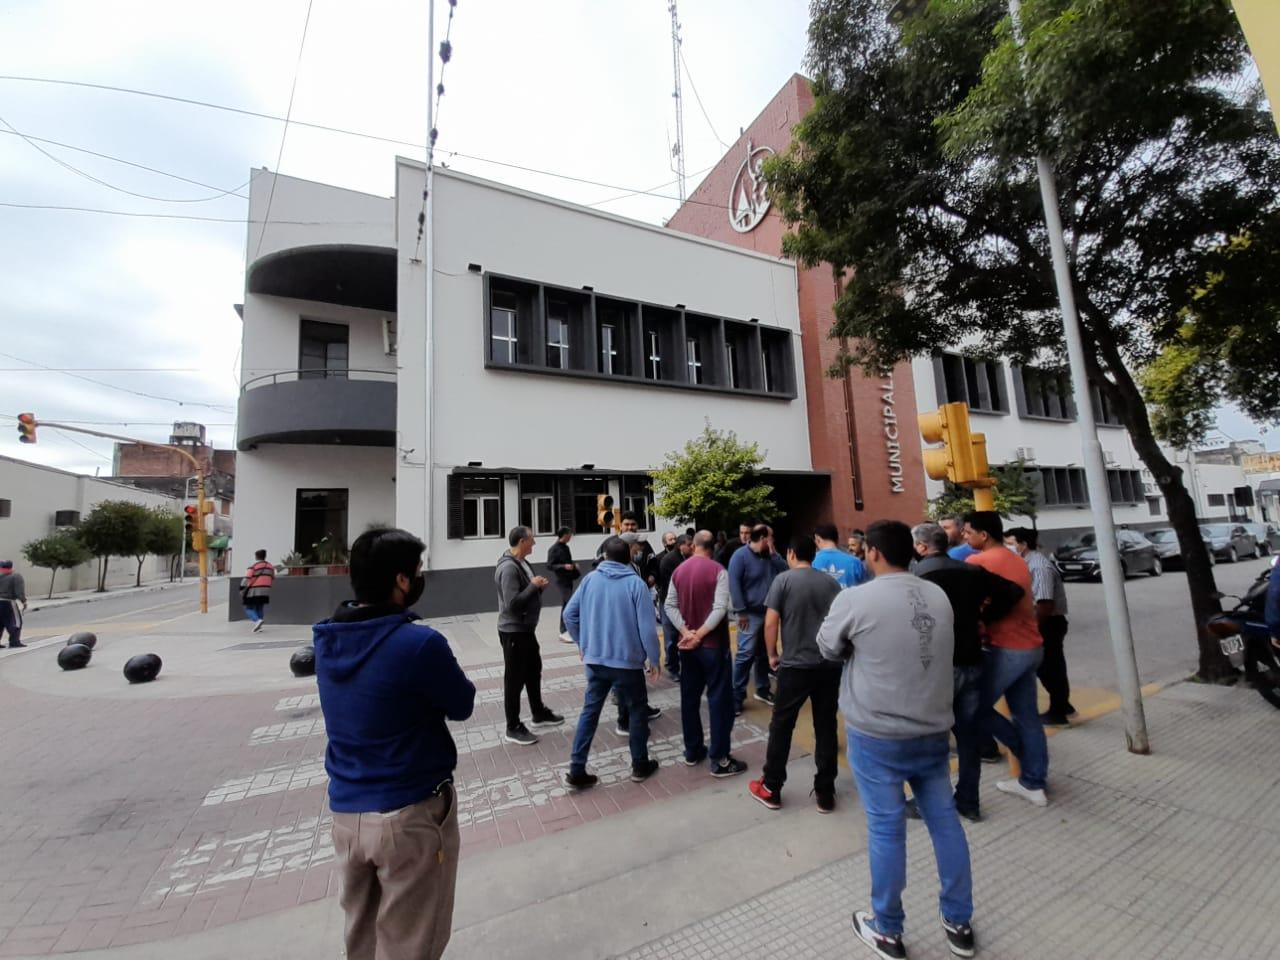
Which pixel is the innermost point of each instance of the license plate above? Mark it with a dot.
(1230, 646)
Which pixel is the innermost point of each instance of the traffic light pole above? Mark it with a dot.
(1135, 721)
(202, 552)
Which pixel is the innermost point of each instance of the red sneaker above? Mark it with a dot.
(766, 796)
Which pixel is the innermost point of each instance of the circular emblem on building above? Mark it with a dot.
(748, 196)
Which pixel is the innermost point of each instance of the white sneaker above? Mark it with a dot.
(257, 627)
(565, 638)
(1036, 797)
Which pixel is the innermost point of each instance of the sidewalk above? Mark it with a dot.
(89, 596)
(1165, 856)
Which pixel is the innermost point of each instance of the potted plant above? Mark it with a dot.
(330, 554)
(295, 563)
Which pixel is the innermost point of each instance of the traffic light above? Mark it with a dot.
(190, 521)
(962, 458)
(27, 428)
(606, 516)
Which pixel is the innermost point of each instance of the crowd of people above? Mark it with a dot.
(911, 634)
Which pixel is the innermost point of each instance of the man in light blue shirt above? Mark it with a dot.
(846, 569)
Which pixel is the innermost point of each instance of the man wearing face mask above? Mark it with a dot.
(387, 685)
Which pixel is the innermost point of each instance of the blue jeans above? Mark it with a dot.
(968, 731)
(706, 668)
(1012, 674)
(631, 692)
(254, 611)
(750, 651)
(671, 637)
(880, 768)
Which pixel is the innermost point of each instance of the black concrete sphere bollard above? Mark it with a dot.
(90, 640)
(143, 668)
(303, 663)
(74, 656)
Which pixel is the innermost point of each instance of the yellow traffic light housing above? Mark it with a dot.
(606, 516)
(962, 458)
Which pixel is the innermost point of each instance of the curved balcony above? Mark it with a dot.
(352, 407)
(347, 274)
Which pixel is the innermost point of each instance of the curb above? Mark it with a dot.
(92, 597)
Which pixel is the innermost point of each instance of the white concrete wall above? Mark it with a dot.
(1054, 444)
(303, 213)
(268, 479)
(531, 421)
(271, 333)
(37, 493)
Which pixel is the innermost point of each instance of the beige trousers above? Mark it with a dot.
(399, 871)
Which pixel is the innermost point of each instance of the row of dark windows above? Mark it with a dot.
(548, 328)
(1066, 486)
(477, 504)
(1039, 393)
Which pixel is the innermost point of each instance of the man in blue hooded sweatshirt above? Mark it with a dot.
(611, 620)
(387, 686)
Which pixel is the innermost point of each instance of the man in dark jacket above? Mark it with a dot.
(566, 573)
(387, 685)
(680, 550)
(13, 601)
(751, 574)
(975, 594)
(519, 606)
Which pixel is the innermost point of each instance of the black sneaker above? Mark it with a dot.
(913, 809)
(520, 735)
(654, 713)
(16, 646)
(885, 945)
(548, 719)
(694, 761)
(765, 696)
(826, 800)
(972, 814)
(1051, 719)
(992, 757)
(581, 781)
(959, 938)
(643, 771)
(728, 767)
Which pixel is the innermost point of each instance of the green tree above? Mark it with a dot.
(1017, 495)
(913, 176)
(164, 536)
(55, 552)
(713, 482)
(113, 528)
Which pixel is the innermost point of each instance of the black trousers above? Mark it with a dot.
(566, 592)
(1053, 668)
(821, 687)
(522, 670)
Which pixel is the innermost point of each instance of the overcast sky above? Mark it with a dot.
(577, 87)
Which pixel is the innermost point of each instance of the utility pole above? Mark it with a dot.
(1135, 720)
(677, 151)
(429, 270)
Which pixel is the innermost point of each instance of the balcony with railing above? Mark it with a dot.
(351, 407)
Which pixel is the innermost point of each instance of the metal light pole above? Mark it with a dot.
(1135, 721)
(429, 269)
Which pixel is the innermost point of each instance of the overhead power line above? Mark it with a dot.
(446, 54)
(694, 87)
(111, 386)
(293, 88)
(144, 215)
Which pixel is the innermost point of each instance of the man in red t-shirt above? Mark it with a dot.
(1010, 662)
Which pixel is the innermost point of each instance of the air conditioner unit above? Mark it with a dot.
(66, 518)
(1024, 453)
(1149, 489)
(1108, 456)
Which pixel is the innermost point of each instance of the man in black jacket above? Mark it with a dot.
(976, 595)
(566, 573)
(682, 549)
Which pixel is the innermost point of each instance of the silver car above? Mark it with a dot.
(1267, 536)
(1229, 541)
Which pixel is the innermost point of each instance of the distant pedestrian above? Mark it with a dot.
(566, 573)
(751, 574)
(519, 607)
(857, 544)
(845, 568)
(797, 604)
(1013, 655)
(13, 603)
(957, 548)
(895, 637)
(255, 589)
(975, 594)
(669, 541)
(644, 559)
(387, 685)
(698, 605)
(728, 548)
(681, 551)
(610, 617)
(1050, 595)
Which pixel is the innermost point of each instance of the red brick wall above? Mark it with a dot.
(143, 461)
(875, 422)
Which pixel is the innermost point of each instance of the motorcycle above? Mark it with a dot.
(1243, 637)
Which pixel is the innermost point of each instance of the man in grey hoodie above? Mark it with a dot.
(519, 606)
(895, 636)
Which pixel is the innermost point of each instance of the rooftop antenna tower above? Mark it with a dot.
(677, 151)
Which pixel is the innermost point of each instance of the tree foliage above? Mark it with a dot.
(914, 177)
(1016, 494)
(114, 528)
(55, 552)
(714, 483)
(162, 536)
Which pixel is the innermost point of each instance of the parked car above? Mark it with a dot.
(1165, 540)
(1267, 536)
(1079, 560)
(1229, 541)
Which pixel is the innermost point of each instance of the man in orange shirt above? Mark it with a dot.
(1010, 662)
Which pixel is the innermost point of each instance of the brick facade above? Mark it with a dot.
(862, 430)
